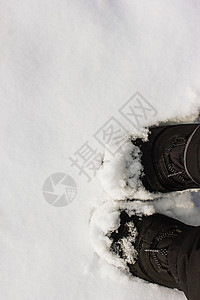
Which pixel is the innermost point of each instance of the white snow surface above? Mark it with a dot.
(67, 67)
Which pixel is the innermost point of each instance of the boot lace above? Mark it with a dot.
(170, 166)
(162, 251)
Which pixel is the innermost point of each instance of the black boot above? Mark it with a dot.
(171, 158)
(144, 243)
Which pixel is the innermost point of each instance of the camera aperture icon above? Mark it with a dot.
(59, 189)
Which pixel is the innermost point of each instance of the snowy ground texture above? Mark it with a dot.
(67, 67)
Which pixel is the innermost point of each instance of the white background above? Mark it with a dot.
(66, 67)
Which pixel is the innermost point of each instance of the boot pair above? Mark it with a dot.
(171, 161)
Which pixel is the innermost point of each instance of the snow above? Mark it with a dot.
(67, 67)
(120, 174)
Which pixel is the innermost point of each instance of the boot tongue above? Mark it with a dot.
(176, 156)
(162, 253)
